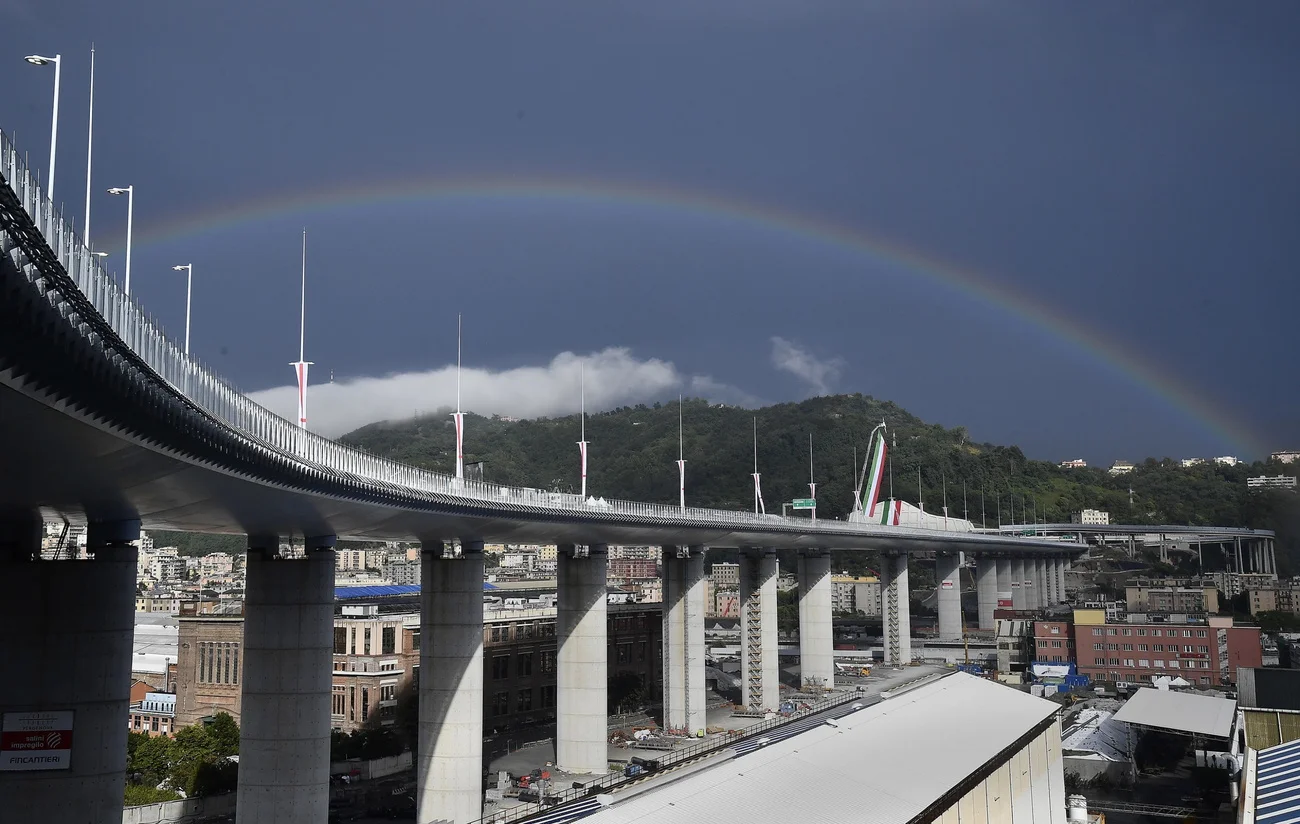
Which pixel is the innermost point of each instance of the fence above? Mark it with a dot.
(185, 811)
(700, 748)
(280, 439)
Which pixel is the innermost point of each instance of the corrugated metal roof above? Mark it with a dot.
(1181, 711)
(869, 769)
(1096, 731)
(1277, 784)
(383, 591)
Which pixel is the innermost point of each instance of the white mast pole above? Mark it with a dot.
(812, 486)
(681, 458)
(300, 367)
(458, 416)
(582, 416)
(90, 137)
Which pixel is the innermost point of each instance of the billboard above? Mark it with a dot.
(36, 741)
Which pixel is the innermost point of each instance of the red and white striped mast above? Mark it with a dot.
(300, 367)
(459, 416)
(582, 416)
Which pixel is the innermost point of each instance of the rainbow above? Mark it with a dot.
(559, 192)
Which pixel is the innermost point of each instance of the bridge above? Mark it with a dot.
(1248, 550)
(107, 422)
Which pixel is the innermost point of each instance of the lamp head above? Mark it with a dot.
(117, 190)
(38, 60)
(181, 268)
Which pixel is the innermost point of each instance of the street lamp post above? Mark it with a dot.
(188, 268)
(57, 60)
(129, 191)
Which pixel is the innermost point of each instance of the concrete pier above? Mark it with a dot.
(1004, 582)
(1031, 584)
(897, 609)
(816, 638)
(947, 579)
(1042, 582)
(684, 687)
(1062, 564)
(66, 630)
(284, 740)
(449, 764)
(581, 733)
(1018, 584)
(986, 589)
(759, 665)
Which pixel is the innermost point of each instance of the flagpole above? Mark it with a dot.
(812, 486)
(300, 367)
(759, 507)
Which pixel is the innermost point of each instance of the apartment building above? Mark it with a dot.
(857, 594)
(1053, 641)
(1205, 650)
(155, 714)
(1280, 596)
(1233, 584)
(1152, 596)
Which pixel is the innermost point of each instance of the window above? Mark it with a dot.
(524, 664)
(1187, 633)
(524, 702)
(365, 647)
(1188, 648)
(1128, 631)
(546, 629)
(388, 692)
(524, 631)
(1159, 664)
(1128, 647)
(624, 653)
(1128, 662)
(1056, 630)
(500, 667)
(1114, 662)
(1142, 662)
(1205, 679)
(389, 640)
(1099, 661)
(1041, 644)
(339, 703)
(340, 640)
(1155, 633)
(500, 633)
(1142, 632)
(1142, 647)
(1173, 664)
(548, 661)
(1200, 633)
(1098, 631)
(501, 703)
(1158, 647)
(1056, 645)
(1112, 632)
(1202, 648)
(1112, 646)
(365, 701)
(1098, 646)
(548, 696)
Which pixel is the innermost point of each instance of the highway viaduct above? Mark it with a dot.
(104, 421)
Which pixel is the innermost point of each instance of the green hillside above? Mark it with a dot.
(633, 449)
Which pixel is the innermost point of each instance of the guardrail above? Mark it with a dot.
(284, 440)
(675, 758)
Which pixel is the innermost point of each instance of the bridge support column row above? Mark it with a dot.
(449, 761)
(581, 730)
(816, 637)
(684, 693)
(66, 630)
(986, 589)
(896, 608)
(948, 581)
(1004, 583)
(284, 741)
(760, 673)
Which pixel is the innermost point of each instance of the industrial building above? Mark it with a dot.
(1000, 760)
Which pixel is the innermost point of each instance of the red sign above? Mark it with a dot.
(1004, 602)
(1199, 656)
(36, 740)
(946, 585)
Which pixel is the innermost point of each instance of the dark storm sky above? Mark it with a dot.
(1134, 167)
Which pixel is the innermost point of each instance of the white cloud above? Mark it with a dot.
(819, 374)
(613, 378)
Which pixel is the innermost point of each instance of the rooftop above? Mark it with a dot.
(1180, 712)
(866, 767)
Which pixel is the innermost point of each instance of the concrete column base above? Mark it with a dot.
(284, 740)
(816, 636)
(683, 639)
(948, 582)
(581, 735)
(66, 630)
(760, 667)
(986, 589)
(449, 764)
(897, 609)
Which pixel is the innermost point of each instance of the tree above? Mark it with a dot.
(192, 747)
(224, 733)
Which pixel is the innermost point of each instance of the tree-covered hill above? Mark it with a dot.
(633, 449)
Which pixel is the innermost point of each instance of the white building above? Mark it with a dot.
(860, 594)
(1094, 517)
(167, 568)
(1188, 463)
(1272, 482)
(1226, 460)
(1286, 456)
(1120, 468)
(216, 563)
(350, 559)
(1077, 463)
(402, 572)
(725, 575)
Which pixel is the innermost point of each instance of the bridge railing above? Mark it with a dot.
(216, 397)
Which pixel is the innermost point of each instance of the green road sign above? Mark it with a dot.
(803, 503)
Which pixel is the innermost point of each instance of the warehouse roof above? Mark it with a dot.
(868, 767)
(1277, 784)
(1179, 711)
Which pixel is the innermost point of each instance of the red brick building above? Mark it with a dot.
(1205, 650)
